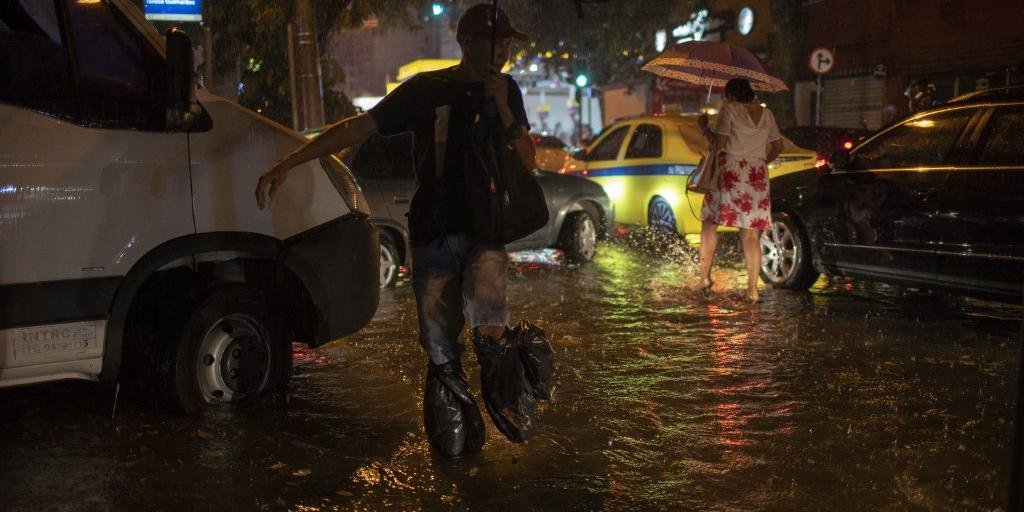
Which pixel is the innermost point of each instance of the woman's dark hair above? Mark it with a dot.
(739, 88)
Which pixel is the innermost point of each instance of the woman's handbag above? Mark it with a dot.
(706, 177)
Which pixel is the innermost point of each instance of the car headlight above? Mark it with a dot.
(346, 184)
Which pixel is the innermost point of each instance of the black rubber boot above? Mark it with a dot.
(504, 385)
(450, 415)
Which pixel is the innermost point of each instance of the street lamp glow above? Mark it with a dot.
(437, 9)
(533, 67)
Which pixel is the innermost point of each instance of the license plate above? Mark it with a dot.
(50, 343)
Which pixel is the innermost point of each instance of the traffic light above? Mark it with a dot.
(582, 73)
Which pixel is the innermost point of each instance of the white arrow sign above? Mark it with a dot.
(822, 61)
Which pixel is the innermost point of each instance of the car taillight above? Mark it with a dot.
(821, 161)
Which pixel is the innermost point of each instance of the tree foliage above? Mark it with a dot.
(250, 48)
(615, 37)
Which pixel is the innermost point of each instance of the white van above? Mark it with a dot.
(130, 240)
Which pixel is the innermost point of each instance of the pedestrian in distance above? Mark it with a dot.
(748, 138)
(454, 275)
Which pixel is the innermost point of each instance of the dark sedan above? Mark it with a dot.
(825, 140)
(580, 212)
(935, 201)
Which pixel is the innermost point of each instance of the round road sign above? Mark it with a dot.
(822, 61)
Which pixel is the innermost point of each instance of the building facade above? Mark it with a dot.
(882, 47)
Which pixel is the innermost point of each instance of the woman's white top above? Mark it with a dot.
(746, 139)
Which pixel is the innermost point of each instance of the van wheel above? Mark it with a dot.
(389, 260)
(230, 348)
(786, 255)
(578, 238)
(660, 217)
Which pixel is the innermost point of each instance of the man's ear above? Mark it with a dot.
(463, 39)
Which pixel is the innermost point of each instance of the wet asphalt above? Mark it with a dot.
(853, 396)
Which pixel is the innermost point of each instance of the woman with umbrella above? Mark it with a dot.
(744, 139)
(747, 138)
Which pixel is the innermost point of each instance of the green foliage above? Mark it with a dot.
(615, 36)
(250, 47)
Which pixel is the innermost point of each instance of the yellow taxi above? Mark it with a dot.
(644, 164)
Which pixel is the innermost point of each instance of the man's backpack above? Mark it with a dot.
(505, 201)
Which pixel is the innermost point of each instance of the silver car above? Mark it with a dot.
(580, 211)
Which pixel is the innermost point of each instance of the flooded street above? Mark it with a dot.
(851, 397)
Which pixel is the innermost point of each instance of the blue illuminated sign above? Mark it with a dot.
(174, 10)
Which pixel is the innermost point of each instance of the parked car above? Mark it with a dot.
(644, 164)
(825, 140)
(132, 245)
(580, 211)
(552, 153)
(990, 94)
(933, 201)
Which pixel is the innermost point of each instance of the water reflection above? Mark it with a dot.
(852, 397)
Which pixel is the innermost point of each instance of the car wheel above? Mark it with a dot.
(231, 347)
(660, 216)
(786, 255)
(578, 238)
(389, 261)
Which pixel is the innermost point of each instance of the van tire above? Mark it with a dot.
(230, 348)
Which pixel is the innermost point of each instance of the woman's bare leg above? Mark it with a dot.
(708, 242)
(751, 239)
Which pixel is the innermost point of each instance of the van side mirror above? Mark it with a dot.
(580, 154)
(839, 161)
(182, 107)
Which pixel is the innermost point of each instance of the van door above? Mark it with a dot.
(89, 180)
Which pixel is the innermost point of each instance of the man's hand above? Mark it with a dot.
(346, 133)
(496, 86)
(272, 179)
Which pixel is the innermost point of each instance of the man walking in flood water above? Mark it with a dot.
(452, 272)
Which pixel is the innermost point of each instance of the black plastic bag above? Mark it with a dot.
(538, 359)
(515, 372)
(450, 414)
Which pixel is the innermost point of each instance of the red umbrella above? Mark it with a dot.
(713, 64)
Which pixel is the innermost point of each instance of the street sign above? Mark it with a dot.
(822, 61)
(173, 10)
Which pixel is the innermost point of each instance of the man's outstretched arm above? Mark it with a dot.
(347, 132)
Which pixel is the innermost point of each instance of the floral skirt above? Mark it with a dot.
(742, 200)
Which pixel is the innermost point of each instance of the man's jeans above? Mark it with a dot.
(451, 274)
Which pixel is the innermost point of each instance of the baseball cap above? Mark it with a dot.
(476, 21)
